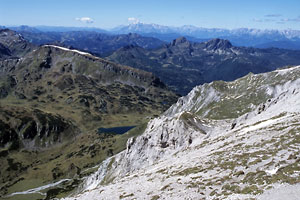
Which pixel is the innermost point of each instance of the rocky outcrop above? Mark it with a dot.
(33, 129)
(186, 150)
(214, 44)
(8, 65)
(8, 136)
(4, 52)
(179, 41)
(14, 43)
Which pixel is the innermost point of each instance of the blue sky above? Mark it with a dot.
(263, 14)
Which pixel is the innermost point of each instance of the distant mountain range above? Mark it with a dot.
(239, 37)
(97, 43)
(54, 97)
(204, 32)
(39, 29)
(183, 64)
(288, 39)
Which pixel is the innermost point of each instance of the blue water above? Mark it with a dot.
(115, 130)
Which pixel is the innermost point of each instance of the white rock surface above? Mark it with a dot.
(184, 155)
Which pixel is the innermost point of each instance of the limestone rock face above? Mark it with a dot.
(223, 140)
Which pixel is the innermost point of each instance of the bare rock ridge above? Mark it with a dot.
(217, 43)
(111, 71)
(223, 140)
(4, 52)
(180, 40)
(183, 64)
(14, 43)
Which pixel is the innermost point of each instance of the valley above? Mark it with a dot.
(53, 100)
(198, 150)
(87, 114)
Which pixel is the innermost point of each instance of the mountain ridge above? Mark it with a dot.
(53, 100)
(94, 42)
(183, 64)
(185, 153)
(239, 36)
(250, 37)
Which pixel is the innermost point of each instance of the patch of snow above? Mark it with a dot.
(95, 179)
(238, 96)
(284, 71)
(66, 49)
(269, 91)
(282, 191)
(272, 171)
(96, 166)
(238, 197)
(38, 189)
(261, 125)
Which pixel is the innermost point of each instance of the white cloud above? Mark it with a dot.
(273, 15)
(133, 20)
(269, 20)
(87, 20)
(257, 20)
(291, 20)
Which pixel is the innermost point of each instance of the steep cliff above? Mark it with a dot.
(224, 140)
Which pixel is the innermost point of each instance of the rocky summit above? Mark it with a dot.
(218, 44)
(224, 140)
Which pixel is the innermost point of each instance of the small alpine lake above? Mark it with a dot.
(116, 130)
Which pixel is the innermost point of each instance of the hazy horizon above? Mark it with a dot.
(109, 29)
(231, 14)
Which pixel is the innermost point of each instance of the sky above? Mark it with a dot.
(230, 14)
